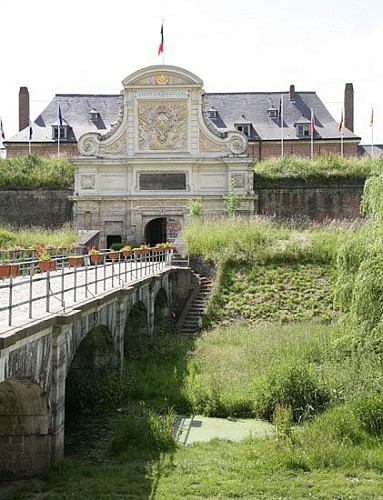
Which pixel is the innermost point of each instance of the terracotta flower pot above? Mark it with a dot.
(126, 253)
(138, 252)
(95, 258)
(47, 265)
(113, 255)
(75, 261)
(7, 270)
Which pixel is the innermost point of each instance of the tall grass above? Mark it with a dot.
(244, 371)
(264, 240)
(31, 237)
(26, 172)
(323, 168)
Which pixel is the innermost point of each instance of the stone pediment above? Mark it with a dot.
(159, 76)
(162, 112)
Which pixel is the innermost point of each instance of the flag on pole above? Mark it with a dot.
(312, 122)
(2, 129)
(161, 47)
(280, 111)
(372, 117)
(30, 130)
(60, 117)
(341, 122)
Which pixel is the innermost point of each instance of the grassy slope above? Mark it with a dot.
(235, 369)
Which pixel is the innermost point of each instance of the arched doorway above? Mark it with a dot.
(155, 231)
(161, 229)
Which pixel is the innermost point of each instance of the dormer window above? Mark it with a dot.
(272, 112)
(302, 127)
(212, 113)
(65, 132)
(94, 115)
(245, 128)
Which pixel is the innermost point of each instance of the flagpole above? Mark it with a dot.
(312, 134)
(341, 135)
(281, 118)
(372, 132)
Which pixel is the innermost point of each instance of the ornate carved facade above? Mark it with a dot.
(161, 154)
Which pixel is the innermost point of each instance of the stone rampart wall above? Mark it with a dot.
(44, 208)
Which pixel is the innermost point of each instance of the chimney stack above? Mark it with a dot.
(349, 107)
(23, 108)
(292, 92)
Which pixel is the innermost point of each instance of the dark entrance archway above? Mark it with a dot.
(161, 229)
(155, 231)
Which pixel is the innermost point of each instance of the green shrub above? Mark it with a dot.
(26, 172)
(147, 430)
(369, 410)
(293, 386)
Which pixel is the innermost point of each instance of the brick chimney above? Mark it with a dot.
(292, 92)
(23, 108)
(349, 107)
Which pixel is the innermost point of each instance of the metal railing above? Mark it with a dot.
(40, 292)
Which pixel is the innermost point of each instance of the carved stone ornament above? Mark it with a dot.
(162, 79)
(88, 144)
(206, 145)
(239, 180)
(118, 146)
(88, 181)
(162, 125)
(237, 143)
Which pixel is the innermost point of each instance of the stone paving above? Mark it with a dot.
(66, 286)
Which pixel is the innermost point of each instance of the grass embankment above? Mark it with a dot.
(322, 169)
(324, 397)
(36, 172)
(11, 238)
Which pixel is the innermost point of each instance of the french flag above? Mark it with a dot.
(161, 47)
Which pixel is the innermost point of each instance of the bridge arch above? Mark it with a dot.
(95, 357)
(25, 438)
(137, 328)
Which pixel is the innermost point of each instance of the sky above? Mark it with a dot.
(90, 46)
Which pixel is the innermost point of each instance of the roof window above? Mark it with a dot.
(245, 128)
(213, 113)
(94, 115)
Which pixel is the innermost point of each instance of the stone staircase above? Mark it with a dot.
(190, 323)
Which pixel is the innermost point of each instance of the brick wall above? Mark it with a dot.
(41, 149)
(35, 208)
(316, 202)
(266, 150)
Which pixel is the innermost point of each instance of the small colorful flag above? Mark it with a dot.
(30, 130)
(312, 121)
(60, 117)
(2, 129)
(161, 47)
(341, 122)
(372, 117)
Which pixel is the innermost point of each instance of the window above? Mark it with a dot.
(303, 130)
(273, 113)
(245, 128)
(94, 115)
(65, 132)
(212, 113)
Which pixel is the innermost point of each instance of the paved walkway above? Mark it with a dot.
(68, 287)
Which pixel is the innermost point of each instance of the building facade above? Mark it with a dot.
(142, 156)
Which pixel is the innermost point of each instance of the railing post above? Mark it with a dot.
(48, 276)
(31, 273)
(10, 301)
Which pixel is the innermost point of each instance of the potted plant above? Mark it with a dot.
(46, 263)
(145, 248)
(95, 255)
(75, 260)
(126, 250)
(113, 255)
(7, 268)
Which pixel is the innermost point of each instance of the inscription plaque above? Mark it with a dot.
(162, 182)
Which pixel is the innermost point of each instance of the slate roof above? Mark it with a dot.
(367, 149)
(232, 109)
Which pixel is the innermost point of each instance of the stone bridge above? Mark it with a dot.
(35, 361)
